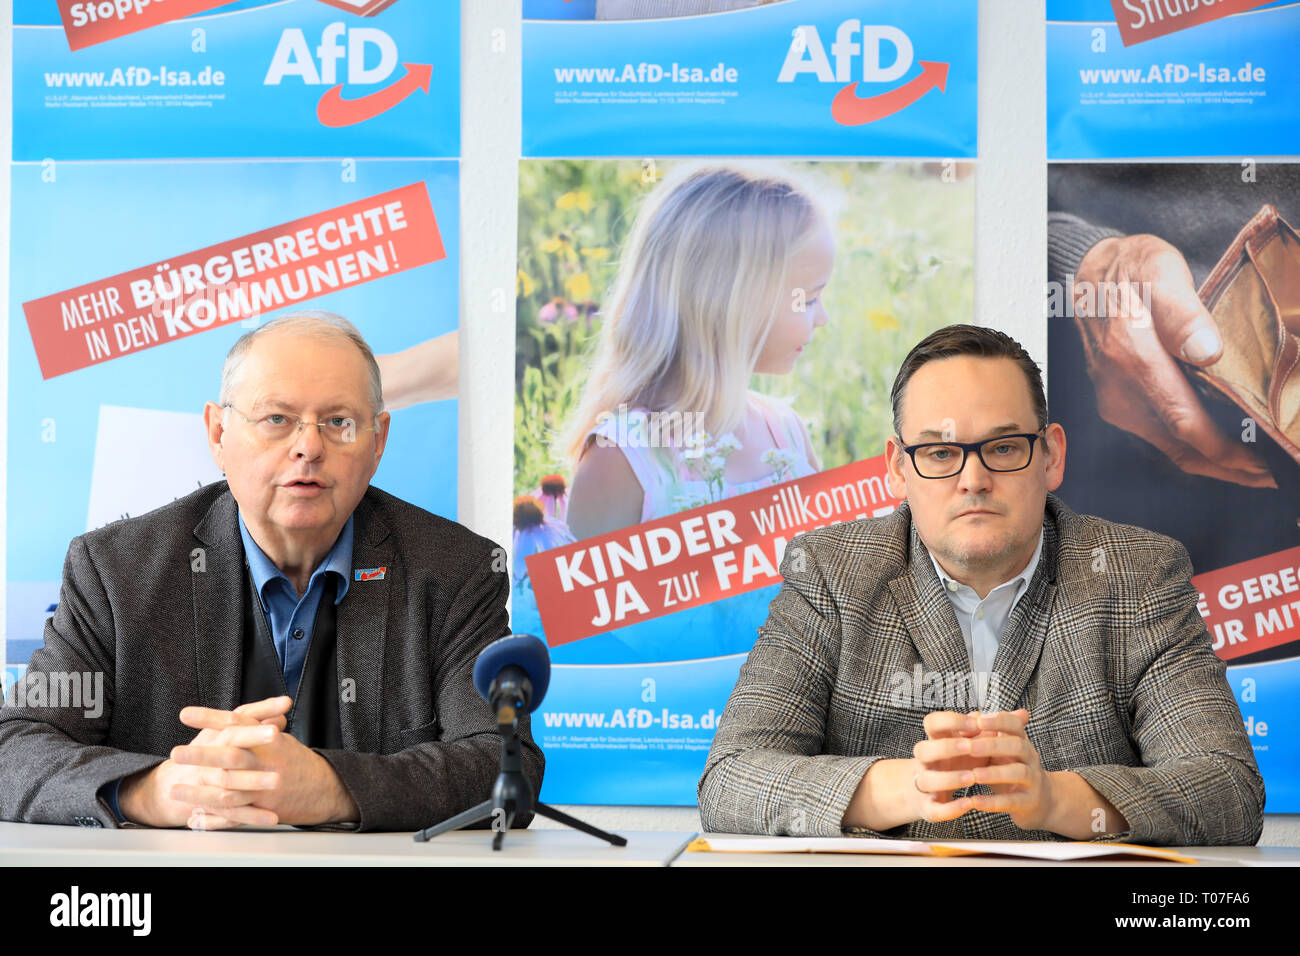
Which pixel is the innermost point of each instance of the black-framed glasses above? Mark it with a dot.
(935, 459)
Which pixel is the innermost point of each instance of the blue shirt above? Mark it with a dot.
(292, 617)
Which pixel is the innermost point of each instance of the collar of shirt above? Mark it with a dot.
(264, 571)
(966, 593)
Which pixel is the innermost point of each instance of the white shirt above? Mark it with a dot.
(983, 621)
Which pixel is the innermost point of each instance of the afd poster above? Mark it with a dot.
(128, 79)
(704, 355)
(1174, 311)
(1147, 78)
(131, 281)
(749, 77)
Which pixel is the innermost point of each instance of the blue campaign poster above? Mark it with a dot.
(1266, 694)
(1226, 87)
(124, 435)
(631, 710)
(249, 79)
(789, 78)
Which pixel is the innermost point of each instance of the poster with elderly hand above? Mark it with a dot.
(1172, 310)
(1172, 323)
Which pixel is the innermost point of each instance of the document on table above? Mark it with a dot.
(1063, 852)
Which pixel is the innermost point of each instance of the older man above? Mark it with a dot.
(984, 662)
(317, 633)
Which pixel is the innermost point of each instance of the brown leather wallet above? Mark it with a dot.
(1253, 293)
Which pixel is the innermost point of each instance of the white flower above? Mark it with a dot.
(717, 462)
(780, 460)
(727, 443)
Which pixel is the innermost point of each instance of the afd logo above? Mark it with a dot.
(870, 43)
(294, 58)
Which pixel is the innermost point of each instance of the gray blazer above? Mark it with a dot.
(155, 604)
(1106, 650)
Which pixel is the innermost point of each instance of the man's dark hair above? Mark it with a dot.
(954, 340)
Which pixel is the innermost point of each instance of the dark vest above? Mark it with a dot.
(314, 719)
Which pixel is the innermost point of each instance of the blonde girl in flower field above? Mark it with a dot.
(721, 278)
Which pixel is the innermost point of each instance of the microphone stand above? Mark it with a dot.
(512, 796)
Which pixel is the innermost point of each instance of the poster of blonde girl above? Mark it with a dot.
(721, 279)
(683, 339)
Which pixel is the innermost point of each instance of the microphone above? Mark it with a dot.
(512, 674)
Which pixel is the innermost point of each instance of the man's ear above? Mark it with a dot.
(894, 468)
(1054, 439)
(382, 421)
(212, 416)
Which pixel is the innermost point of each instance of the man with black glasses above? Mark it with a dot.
(984, 663)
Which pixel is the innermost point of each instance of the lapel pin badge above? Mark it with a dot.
(369, 574)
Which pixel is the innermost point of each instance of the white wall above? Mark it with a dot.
(1010, 243)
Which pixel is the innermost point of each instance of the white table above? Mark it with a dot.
(27, 844)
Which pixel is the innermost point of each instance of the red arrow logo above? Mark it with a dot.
(334, 110)
(849, 110)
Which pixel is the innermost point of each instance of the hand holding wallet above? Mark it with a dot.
(1253, 294)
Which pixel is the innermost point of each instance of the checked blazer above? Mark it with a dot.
(1106, 650)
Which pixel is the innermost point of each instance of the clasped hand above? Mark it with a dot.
(966, 749)
(241, 769)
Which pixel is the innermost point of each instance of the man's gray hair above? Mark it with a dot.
(320, 324)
